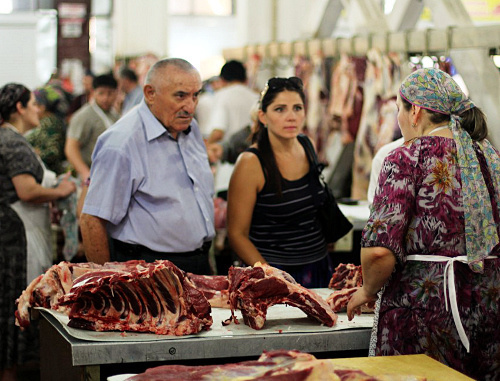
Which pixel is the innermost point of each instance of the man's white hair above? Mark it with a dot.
(160, 65)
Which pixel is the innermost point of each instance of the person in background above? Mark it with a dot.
(206, 103)
(22, 190)
(229, 151)
(151, 189)
(129, 84)
(377, 162)
(84, 97)
(49, 137)
(430, 247)
(232, 103)
(89, 122)
(274, 190)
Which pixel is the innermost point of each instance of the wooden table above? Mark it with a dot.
(411, 365)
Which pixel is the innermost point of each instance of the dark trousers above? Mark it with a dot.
(195, 262)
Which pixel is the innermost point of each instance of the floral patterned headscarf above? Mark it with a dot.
(435, 90)
(53, 99)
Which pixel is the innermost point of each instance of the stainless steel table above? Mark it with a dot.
(64, 357)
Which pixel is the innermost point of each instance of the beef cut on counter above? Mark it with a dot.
(346, 280)
(273, 365)
(346, 275)
(279, 365)
(214, 287)
(143, 297)
(254, 289)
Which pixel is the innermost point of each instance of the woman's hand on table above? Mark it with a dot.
(358, 299)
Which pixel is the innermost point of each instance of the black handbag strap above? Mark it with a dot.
(317, 168)
(312, 154)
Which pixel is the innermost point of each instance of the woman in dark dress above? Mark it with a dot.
(20, 177)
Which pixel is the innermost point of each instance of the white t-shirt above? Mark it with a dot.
(231, 109)
(203, 111)
(377, 162)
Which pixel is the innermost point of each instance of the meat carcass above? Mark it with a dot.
(346, 276)
(137, 296)
(214, 287)
(46, 289)
(254, 289)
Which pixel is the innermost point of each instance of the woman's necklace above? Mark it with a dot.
(406, 143)
(437, 129)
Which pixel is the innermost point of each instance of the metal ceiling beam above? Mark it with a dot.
(331, 12)
(404, 15)
(365, 16)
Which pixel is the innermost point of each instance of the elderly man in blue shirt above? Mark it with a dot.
(151, 189)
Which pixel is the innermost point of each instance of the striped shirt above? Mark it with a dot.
(285, 229)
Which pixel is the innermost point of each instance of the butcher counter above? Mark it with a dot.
(73, 354)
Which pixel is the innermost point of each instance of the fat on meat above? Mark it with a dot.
(254, 289)
(136, 296)
(46, 289)
(214, 287)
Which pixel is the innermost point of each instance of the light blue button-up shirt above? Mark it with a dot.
(153, 190)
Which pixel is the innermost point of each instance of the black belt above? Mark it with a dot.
(135, 250)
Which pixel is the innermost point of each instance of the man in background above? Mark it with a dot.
(206, 103)
(151, 188)
(232, 103)
(84, 97)
(129, 84)
(90, 121)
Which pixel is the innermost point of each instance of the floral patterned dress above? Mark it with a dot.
(418, 210)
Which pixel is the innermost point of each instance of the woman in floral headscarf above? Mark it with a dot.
(431, 244)
(49, 137)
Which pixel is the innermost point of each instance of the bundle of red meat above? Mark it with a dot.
(131, 296)
(346, 280)
(214, 287)
(254, 289)
(272, 365)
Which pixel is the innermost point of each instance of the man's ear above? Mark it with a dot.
(149, 94)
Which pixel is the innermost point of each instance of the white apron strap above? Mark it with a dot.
(449, 283)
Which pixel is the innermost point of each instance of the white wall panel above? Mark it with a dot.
(29, 42)
(140, 27)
